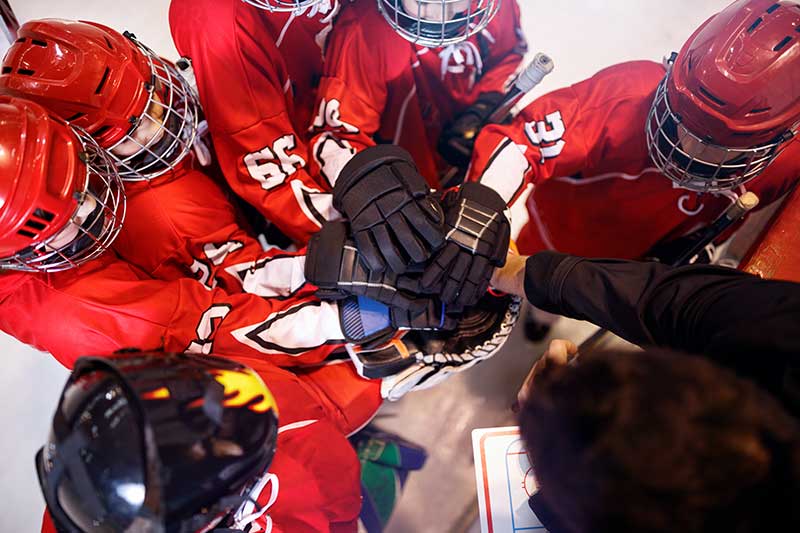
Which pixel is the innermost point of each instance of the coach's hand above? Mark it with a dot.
(478, 235)
(395, 220)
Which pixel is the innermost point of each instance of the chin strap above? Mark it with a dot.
(200, 146)
(324, 7)
(465, 54)
(249, 512)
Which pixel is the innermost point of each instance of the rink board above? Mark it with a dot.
(505, 481)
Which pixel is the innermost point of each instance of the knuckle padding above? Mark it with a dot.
(366, 162)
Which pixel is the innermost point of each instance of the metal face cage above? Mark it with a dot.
(667, 140)
(436, 23)
(165, 131)
(284, 5)
(93, 226)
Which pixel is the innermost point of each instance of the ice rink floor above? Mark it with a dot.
(582, 36)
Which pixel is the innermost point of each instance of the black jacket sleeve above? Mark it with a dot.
(742, 321)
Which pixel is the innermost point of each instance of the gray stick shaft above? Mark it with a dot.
(10, 23)
(539, 67)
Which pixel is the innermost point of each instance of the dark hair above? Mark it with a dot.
(661, 442)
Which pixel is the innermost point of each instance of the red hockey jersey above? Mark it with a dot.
(256, 74)
(108, 304)
(378, 87)
(183, 225)
(596, 191)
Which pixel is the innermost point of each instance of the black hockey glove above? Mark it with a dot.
(394, 218)
(458, 138)
(336, 267)
(478, 235)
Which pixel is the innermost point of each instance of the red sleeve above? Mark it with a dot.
(506, 44)
(352, 93)
(246, 96)
(186, 227)
(108, 305)
(319, 481)
(565, 132)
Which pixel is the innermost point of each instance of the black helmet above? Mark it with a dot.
(156, 442)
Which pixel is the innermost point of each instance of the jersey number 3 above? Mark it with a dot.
(547, 134)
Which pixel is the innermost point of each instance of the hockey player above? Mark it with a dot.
(644, 153)
(418, 74)
(257, 71)
(179, 221)
(139, 108)
(188, 443)
(63, 204)
(62, 289)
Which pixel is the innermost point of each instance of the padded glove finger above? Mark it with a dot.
(383, 195)
(478, 235)
(336, 267)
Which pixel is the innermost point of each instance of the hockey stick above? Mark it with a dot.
(540, 66)
(10, 23)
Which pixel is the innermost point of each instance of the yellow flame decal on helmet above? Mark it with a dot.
(244, 386)
(157, 394)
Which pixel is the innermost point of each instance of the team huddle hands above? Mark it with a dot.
(368, 134)
(424, 253)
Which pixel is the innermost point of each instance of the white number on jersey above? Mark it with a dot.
(547, 134)
(207, 329)
(329, 116)
(272, 165)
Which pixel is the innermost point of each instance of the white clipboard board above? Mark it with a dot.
(505, 481)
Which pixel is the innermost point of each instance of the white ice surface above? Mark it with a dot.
(582, 36)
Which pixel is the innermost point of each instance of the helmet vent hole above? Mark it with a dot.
(7, 70)
(76, 116)
(20, 40)
(759, 110)
(25, 72)
(26, 233)
(102, 81)
(782, 44)
(771, 9)
(37, 42)
(44, 214)
(35, 225)
(712, 97)
(755, 25)
(100, 131)
(108, 42)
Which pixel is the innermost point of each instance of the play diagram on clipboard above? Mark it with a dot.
(505, 481)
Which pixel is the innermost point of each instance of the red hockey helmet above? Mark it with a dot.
(158, 442)
(135, 104)
(435, 23)
(61, 200)
(731, 99)
(290, 5)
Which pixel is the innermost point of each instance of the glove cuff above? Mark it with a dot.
(483, 195)
(326, 248)
(365, 322)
